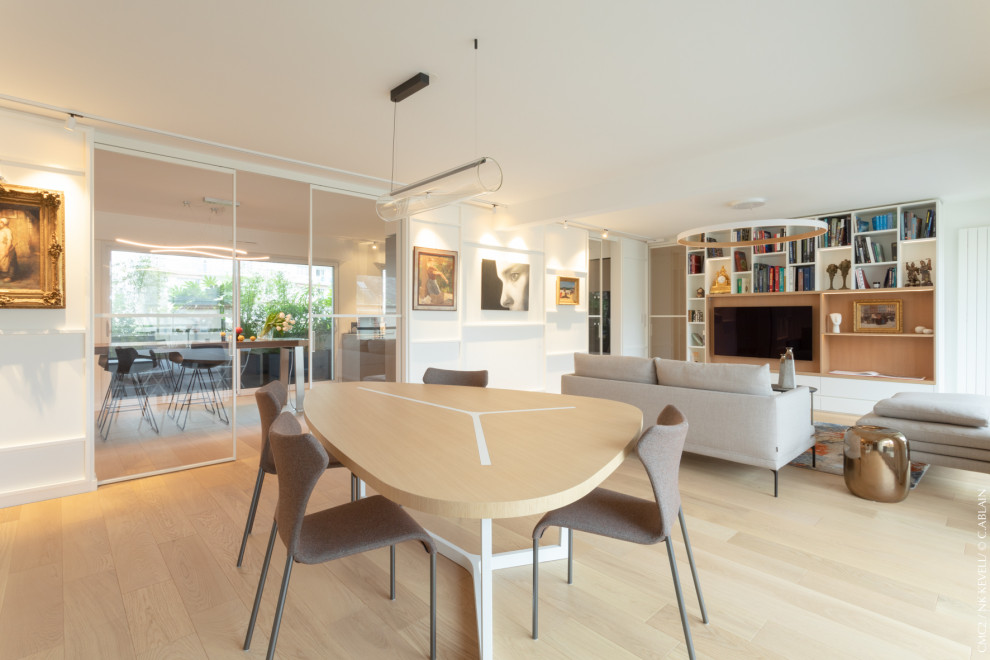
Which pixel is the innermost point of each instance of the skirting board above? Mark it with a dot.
(40, 493)
(43, 470)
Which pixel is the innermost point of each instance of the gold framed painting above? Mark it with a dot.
(877, 316)
(568, 291)
(435, 277)
(32, 246)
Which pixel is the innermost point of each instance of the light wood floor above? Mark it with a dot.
(145, 569)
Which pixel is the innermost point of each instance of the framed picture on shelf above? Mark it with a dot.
(877, 316)
(568, 291)
(32, 246)
(435, 275)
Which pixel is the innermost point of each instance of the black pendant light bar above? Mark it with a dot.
(410, 87)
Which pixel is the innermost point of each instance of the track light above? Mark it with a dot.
(604, 233)
(565, 224)
(70, 122)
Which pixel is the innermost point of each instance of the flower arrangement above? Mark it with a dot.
(277, 321)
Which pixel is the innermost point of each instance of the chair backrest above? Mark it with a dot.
(300, 459)
(125, 359)
(434, 376)
(660, 448)
(270, 399)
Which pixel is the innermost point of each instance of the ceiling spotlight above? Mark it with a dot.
(70, 122)
(374, 246)
(565, 223)
(604, 233)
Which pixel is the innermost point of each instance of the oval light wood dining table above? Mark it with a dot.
(470, 452)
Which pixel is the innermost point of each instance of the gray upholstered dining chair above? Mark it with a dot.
(271, 398)
(628, 518)
(434, 376)
(347, 529)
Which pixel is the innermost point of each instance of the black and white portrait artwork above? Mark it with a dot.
(504, 285)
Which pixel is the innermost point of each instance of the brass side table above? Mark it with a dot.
(877, 463)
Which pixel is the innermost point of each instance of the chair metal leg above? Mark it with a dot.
(433, 605)
(354, 487)
(680, 598)
(391, 572)
(280, 607)
(694, 569)
(261, 586)
(570, 556)
(251, 511)
(536, 588)
(813, 454)
(774, 482)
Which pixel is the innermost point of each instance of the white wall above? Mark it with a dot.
(955, 215)
(46, 439)
(521, 350)
(630, 274)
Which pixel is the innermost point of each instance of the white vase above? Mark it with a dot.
(786, 374)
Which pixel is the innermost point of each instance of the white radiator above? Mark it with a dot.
(973, 346)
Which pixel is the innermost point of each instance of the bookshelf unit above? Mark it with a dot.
(885, 246)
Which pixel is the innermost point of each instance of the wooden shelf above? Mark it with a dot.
(879, 334)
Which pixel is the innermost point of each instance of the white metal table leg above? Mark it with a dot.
(481, 567)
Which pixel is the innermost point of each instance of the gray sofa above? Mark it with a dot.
(731, 410)
(952, 430)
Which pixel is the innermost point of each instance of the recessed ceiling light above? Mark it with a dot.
(750, 203)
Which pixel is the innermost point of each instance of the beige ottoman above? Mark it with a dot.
(877, 463)
(952, 430)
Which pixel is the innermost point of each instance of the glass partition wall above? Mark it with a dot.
(164, 236)
(359, 333)
(211, 283)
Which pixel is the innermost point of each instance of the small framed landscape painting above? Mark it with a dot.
(877, 316)
(32, 243)
(568, 291)
(436, 279)
(435, 275)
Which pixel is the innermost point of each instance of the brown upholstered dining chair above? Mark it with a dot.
(271, 398)
(434, 376)
(628, 518)
(347, 529)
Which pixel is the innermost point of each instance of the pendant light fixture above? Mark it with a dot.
(696, 237)
(458, 184)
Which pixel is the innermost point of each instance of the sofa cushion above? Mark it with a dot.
(958, 409)
(615, 367)
(738, 378)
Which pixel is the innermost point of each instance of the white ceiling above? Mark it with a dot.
(646, 116)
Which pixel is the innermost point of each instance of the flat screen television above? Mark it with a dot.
(763, 332)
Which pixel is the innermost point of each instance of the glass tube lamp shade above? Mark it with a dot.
(478, 177)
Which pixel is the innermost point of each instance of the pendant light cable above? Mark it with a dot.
(476, 95)
(391, 181)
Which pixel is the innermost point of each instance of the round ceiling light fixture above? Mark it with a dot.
(749, 203)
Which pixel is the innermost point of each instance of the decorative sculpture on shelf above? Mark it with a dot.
(844, 267)
(912, 274)
(831, 270)
(785, 377)
(836, 319)
(925, 266)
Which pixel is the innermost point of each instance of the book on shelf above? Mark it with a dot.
(695, 264)
(714, 252)
(916, 226)
(838, 231)
(741, 262)
(861, 281)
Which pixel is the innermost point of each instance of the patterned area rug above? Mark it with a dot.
(828, 453)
